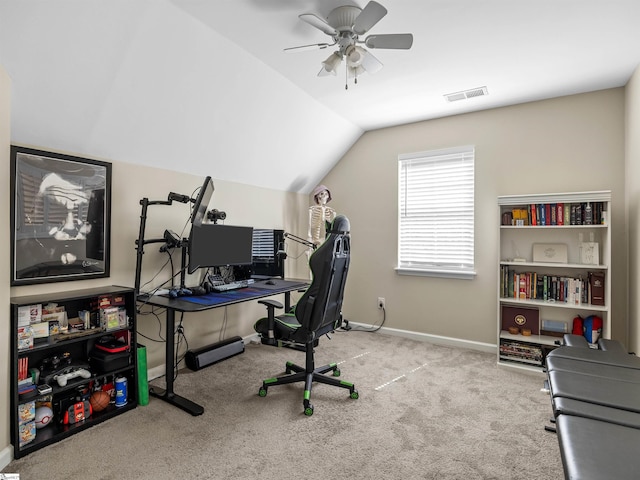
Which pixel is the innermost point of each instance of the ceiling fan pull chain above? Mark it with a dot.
(346, 78)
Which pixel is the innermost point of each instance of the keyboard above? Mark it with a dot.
(231, 286)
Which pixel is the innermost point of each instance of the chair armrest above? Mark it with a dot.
(271, 318)
(271, 304)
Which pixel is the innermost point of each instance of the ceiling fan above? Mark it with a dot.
(345, 25)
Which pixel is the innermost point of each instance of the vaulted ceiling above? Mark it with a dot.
(203, 86)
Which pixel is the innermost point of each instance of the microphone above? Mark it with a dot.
(179, 198)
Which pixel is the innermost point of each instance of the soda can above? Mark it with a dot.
(121, 391)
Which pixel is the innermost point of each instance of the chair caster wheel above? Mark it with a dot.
(354, 395)
(308, 411)
(262, 392)
(336, 372)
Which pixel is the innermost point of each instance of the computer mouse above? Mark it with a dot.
(270, 282)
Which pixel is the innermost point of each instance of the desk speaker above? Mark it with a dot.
(214, 353)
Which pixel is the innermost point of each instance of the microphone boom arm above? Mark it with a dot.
(302, 241)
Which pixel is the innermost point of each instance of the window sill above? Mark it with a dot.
(469, 275)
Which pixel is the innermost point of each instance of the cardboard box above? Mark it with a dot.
(40, 330)
(521, 317)
(26, 412)
(25, 337)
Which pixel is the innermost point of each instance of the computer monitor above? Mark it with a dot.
(266, 259)
(212, 245)
(202, 202)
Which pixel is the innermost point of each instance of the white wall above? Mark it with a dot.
(5, 275)
(632, 154)
(571, 143)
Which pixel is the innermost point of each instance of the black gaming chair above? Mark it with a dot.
(317, 313)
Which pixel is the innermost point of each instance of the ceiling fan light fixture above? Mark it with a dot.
(355, 56)
(345, 25)
(332, 63)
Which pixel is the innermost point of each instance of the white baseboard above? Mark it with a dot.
(253, 338)
(155, 372)
(435, 339)
(424, 337)
(6, 456)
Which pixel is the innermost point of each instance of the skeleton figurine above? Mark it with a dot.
(320, 216)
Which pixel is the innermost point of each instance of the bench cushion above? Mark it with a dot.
(596, 450)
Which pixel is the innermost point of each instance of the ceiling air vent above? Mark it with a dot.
(474, 92)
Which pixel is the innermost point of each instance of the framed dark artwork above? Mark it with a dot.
(60, 217)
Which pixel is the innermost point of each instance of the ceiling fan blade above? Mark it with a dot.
(306, 48)
(370, 63)
(315, 21)
(401, 41)
(371, 14)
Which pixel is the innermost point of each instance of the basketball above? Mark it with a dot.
(43, 416)
(99, 400)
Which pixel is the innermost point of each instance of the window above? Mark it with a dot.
(436, 213)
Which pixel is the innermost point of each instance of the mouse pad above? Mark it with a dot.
(254, 290)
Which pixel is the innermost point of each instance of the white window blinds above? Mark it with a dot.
(436, 212)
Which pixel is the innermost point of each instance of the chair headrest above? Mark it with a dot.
(340, 225)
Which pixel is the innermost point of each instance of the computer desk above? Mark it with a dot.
(257, 290)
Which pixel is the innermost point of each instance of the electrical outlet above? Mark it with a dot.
(381, 302)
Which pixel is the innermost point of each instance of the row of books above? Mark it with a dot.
(587, 213)
(538, 286)
(520, 352)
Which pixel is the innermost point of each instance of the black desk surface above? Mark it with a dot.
(196, 303)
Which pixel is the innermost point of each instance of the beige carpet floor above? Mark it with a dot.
(424, 412)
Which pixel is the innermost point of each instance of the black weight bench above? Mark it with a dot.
(595, 395)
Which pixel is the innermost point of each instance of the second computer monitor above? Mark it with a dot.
(268, 253)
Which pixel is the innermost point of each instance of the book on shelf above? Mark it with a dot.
(534, 214)
(596, 288)
(560, 214)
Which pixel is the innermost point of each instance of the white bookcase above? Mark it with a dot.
(557, 260)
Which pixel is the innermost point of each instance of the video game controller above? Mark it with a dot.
(179, 292)
(70, 373)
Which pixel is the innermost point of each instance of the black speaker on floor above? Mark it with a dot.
(214, 353)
